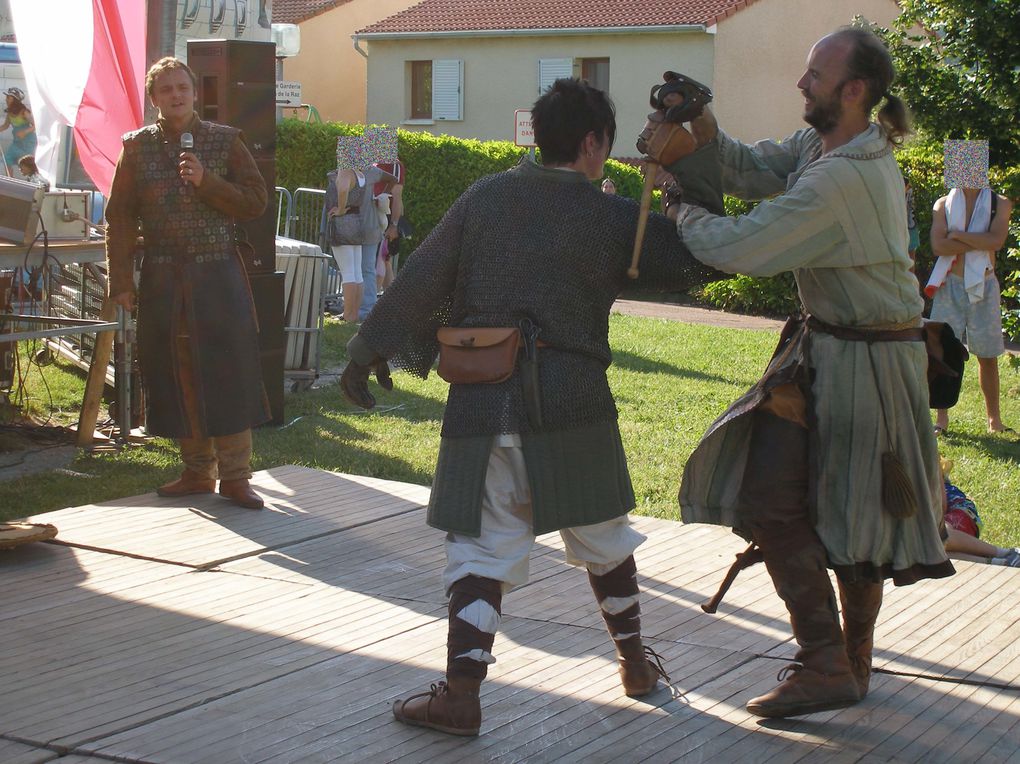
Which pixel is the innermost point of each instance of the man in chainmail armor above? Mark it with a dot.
(540, 451)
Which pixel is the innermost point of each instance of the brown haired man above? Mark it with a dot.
(802, 463)
(197, 333)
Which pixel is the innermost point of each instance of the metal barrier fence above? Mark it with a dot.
(303, 222)
(284, 211)
(306, 214)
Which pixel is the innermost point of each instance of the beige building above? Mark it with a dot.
(331, 72)
(462, 67)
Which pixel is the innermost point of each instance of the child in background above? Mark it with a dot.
(963, 525)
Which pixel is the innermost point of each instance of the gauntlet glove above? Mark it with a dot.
(354, 381)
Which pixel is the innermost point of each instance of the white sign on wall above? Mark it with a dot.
(288, 93)
(524, 133)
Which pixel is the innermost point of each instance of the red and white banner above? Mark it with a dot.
(84, 63)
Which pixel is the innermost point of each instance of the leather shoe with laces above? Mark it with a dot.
(806, 690)
(455, 710)
(640, 673)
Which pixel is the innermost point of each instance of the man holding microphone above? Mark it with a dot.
(182, 183)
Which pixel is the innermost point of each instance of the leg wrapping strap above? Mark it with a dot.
(464, 637)
(625, 624)
(621, 581)
(470, 588)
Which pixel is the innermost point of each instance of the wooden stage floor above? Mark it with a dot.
(207, 633)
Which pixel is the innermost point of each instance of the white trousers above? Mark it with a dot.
(502, 551)
(348, 261)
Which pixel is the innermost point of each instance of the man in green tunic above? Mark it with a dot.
(803, 464)
(540, 247)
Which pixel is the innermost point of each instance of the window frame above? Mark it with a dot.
(420, 74)
(587, 63)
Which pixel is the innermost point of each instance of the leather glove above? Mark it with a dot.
(354, 381)
(672, 195)
(699, 174)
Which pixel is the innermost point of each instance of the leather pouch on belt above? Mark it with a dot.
(484, 355)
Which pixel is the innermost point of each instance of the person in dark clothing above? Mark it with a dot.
(540, 247)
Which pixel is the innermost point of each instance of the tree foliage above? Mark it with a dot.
(959, 70)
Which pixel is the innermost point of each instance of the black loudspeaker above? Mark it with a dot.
(237, 87)
(267, 291)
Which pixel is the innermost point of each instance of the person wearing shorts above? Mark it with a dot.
(967, 303)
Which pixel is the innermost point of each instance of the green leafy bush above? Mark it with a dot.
(772, 296)
(440, 168)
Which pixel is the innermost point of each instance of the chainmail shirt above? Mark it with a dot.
(537, 243)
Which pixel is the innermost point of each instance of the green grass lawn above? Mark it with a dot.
(670, 380)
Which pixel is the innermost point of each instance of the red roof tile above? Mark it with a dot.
(295, 11)
(486, 15)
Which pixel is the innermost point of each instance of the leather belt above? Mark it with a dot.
(864, 334)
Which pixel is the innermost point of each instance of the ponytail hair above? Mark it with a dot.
(870, 62)
(894, 119)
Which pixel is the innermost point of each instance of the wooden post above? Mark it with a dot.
(96, 380)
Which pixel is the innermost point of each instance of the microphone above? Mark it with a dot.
(187, 141)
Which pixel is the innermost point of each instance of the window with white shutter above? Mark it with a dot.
(447, 89)
(552, 69)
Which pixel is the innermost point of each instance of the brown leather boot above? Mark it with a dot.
(640, 668)
(239, 492)
(797, 563)
(452, 707)
(188, 484)
(861, 602)
(820, 681)
(638, 674)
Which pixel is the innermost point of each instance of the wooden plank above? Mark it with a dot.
(290, 291)
(311, 359)
(324, 609)
(12, 752)
(120, 693)
(204, 530)
(294, 310)
(95, 382)
(301, 314)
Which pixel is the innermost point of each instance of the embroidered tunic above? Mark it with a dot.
(190, 272)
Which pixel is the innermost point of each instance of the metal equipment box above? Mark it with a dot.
(65, 215)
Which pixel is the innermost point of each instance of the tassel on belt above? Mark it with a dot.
(899, 497)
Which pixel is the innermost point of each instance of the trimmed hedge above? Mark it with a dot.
(440, 168)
